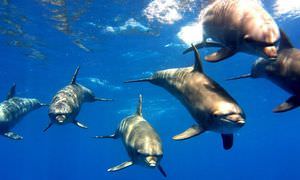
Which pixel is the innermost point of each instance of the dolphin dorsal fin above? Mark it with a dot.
(73, 81)
(139, 108)
(198, 63)
(285, 41)
(12, 91)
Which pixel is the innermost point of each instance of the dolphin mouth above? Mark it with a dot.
(228, 120)
(152, 164)
(272, 58)
(241, 123)
(234, 122)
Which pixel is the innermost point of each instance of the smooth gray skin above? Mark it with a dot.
(209, 104)
(67, 102)
(239, 26)
(11, 112)
(141, 141)
(284, 72)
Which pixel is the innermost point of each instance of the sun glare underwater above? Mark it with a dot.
(152, 89)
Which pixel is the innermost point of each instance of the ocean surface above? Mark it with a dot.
(43, 41)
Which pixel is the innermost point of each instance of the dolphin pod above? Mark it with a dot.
(142, 143)
(209, 104)
(234, 26)
(13, 109)
(238, 26)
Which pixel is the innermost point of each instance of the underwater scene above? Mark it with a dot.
(149, 89)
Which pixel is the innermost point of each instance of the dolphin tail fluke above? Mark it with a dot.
(240, 77)
(73, 81)
(49, 125)
(121, 166)
(162, 171)
(102, 99)
(138, 80)
(12, 91)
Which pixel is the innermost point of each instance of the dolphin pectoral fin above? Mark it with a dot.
(112, 136)
(44, 104)
(49, 125)
(12, 91)
(13, 135)
(227, 141)
(121, 166)
(289, 104)
(101, 99)
(220, 55)
(189, 133)
(162, 171)
(79, 124)
(139, 80)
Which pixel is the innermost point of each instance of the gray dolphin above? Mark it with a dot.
(13, 109)
(238, 26)
(142, 143)
(67, 102)
(284, 72)
(208, 103)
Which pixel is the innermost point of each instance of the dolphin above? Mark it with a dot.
(284, 72)
(209, 104)
(13, 109)
(67, 102)
(238, 26)
(142, 143)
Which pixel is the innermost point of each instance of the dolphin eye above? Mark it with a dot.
(214, 116)
(262, 44)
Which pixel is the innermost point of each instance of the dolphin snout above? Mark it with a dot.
(151, 161)
(241, 122)
(236, 119)
(60, 119)
(271, 52)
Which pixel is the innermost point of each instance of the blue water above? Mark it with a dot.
(45, 57)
